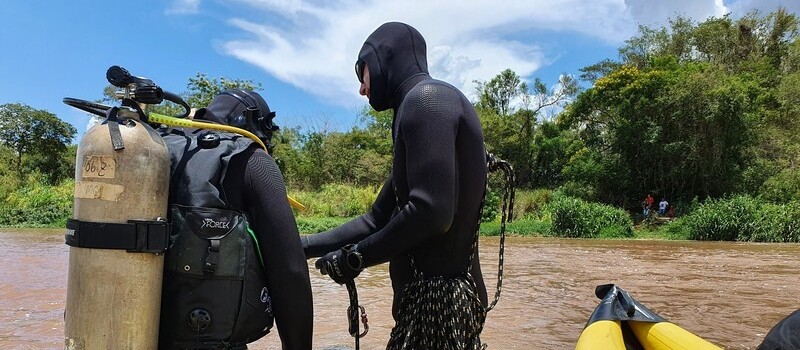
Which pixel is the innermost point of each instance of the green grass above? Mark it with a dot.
(520, 227)
(308, 225)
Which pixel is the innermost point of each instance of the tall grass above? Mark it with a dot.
(740, 218)
(37, 204)
(573, 217)
(336, 200)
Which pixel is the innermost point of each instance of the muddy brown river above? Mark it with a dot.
(728, 293)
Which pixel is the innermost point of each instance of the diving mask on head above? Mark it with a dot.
(244, 109)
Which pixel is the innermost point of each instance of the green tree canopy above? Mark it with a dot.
(202, 89)
(37, 137)
(510, 110)
(691, 109)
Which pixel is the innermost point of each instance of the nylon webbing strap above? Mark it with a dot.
(136, 236)
(113, 129)
(212, 258)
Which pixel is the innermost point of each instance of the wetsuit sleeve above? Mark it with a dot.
(784, 335)
(427, 128)
(319, 244)
(287, 270)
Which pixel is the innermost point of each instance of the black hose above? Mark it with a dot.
(87, 106)
(177, 99)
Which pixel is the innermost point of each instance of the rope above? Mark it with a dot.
(507, 212)
(352, 314)
(506, 215)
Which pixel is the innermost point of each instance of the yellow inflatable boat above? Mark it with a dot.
(620, 322)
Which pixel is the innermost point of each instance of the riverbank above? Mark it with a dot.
(535, 211)
(518, 228)
(541, 213)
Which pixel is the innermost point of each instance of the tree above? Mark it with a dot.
(598, 70)
(694, 110)
(360, 156)
(679, 130)
(733, 44)
(379, 123)
(497, 94)
(553, 147)
(509, 130)
(36, 134)
(638, 50)
(202, 89)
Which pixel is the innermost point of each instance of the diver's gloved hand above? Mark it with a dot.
(342, 265)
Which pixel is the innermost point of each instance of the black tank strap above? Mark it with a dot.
(135, 236)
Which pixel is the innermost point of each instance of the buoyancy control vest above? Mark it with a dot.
(214, 292)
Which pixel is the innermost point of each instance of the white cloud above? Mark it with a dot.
(312, 44)
(184, 7)
(655, 13)
(741, 7)
(316, 45)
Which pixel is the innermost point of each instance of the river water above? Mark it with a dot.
(728, 293)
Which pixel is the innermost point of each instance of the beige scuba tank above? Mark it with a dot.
(115, 265)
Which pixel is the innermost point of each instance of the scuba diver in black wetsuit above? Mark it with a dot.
(425, 216)
(224, 180)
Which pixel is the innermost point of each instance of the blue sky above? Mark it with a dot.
(302, 51)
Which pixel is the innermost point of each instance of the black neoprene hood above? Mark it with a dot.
(393, 53)
(229, 106)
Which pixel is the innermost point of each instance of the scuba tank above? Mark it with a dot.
(118, 231)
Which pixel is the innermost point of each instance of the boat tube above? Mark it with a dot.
(620, 322)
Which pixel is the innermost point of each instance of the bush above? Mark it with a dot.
(777, 223)
(531, 203)
(723, 219)
(676, 229)
(521, 227)
(577, 190)
(740, 218)
(782, 187)
(572, 217)
(309, 225)
(336, 200)
(38, 204)
(491, 207)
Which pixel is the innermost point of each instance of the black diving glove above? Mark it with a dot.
(342, 265)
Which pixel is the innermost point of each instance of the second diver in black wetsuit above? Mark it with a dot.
(424, 218)
(235, 175)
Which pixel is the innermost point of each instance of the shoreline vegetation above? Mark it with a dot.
(537, 213)
(704, 114)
